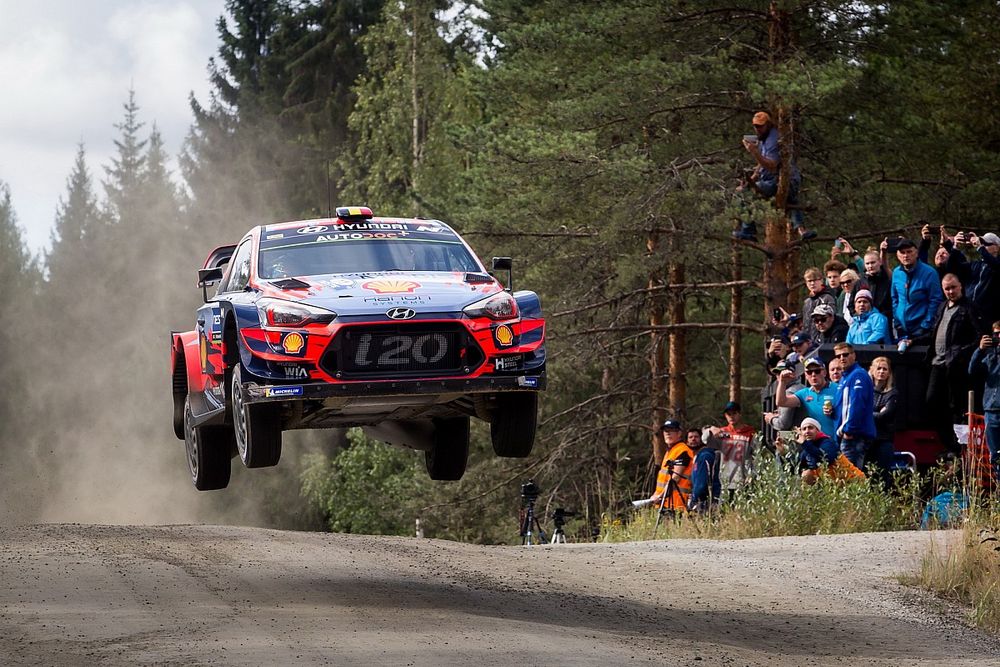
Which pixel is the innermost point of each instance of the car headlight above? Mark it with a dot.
(500, 306)
(279, 313)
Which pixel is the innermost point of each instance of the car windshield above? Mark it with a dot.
(313, 259)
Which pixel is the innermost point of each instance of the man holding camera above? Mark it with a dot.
(673, 483)
(916, 295)
(986, 359)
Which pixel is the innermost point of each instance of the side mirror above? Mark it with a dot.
(207, 277)
(505, 264)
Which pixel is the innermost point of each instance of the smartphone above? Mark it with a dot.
(996, 338)
(838, 244)
(776, 313)
(750, 138)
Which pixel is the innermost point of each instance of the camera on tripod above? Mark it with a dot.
(529, 492)
(559, 516)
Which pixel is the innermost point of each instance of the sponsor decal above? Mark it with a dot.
(338, 283)
(272, 237)
(429, 228)
(504, 335)
(400, 313)
(294, 372)
(524, 381)
(282, 391)
(390, 286)
(511, 363)
(293, 343)
(402, 298)
(368, 226)
(315, 229)
(217, 319)
(359, 236)
(216, 336)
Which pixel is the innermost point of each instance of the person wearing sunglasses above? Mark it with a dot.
(818, 398)
(855, 406)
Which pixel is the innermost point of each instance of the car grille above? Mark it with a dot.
(412, 349)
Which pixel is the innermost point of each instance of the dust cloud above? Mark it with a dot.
(92, 438)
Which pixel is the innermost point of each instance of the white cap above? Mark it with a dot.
(809, 421)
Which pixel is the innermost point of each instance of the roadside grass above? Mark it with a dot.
(967, 569)
(776, 503)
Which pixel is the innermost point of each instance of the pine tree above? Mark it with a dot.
(125, 171)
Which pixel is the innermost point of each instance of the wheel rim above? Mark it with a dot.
(191, 441)
(239, 416)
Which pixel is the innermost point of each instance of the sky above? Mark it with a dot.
(67, 68)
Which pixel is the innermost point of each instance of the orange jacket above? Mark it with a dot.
(679, 491)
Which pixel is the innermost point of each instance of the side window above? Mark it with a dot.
(239, 270)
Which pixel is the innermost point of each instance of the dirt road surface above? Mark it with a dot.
(186, 595)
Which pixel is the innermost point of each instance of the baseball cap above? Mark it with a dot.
(905, 243)
(800, 338)
(761, 117)
(813, 361)
(822, 310)
(671, 425)
(732, 406)
(863, 294)
(990, 239)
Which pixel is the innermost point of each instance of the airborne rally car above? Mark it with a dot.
(389, 324)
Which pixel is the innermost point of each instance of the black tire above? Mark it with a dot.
(449, 452)
(207, 449)
(512, 428)
(257, 428)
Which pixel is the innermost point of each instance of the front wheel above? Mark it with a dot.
(512, 428)
(257, 427)
(449, 452)
(207, 449)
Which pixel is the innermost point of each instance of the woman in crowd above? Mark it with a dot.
(880, 452)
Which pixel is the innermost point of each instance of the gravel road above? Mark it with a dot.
(185, 595)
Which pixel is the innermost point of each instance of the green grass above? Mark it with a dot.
(776, 503)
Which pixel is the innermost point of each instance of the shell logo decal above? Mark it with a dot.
(391, 286)
(293, 343)
(203, 352)
(504, 335)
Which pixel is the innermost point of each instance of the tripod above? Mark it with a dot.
(531, 522)
(558, 535)
(666, 507)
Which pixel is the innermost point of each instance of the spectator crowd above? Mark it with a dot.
(940, 311)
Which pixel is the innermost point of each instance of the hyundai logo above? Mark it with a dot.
(400, 313)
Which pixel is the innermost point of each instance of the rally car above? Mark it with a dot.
(390, 324)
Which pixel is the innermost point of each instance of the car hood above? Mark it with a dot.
(369, 293)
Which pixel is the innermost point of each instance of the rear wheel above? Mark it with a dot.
(512, 428)
(449, 452)
(257, 427)
(207, 449)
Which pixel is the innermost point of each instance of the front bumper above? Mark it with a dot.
(264, 393)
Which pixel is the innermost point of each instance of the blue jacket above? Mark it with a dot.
(915, 297)
(871, 328)
(988, 361)
(856, 415)
(821, 451)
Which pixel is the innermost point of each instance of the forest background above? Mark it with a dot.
(598, 143)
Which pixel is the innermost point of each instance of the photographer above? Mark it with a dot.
(673, 483)
(986, 359)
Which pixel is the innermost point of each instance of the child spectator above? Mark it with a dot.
(818, 294)
(832, 270)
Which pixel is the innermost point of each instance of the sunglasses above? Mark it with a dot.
(843, 355)
(814, 371)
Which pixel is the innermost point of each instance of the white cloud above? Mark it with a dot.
(67, 70)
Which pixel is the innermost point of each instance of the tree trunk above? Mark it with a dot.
(657, 370)
(735, 333)
(677, 368)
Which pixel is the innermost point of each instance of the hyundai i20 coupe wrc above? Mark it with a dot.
(390, 324)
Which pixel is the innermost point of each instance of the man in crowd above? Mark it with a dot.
(835, 370)
(986, 360)
(673, 482)
(733, 440)
(916, 295)
(984, 281)
(856, 410)
(869, 327)
(818, 294)
(817, 398)
(956, 330)
(827, 326)
(764, 179)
